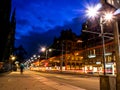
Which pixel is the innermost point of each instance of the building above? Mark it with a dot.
(115, 3)
(86, 53)
(7, 30)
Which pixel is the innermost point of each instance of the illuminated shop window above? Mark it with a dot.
(109, 58)
(72, 58)
(94, 51)
(76, 58)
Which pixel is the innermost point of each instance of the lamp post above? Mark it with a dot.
(61, 63)
(93, 12)
(105, 81)
(117, 53)
(12, 58)
(61, 60)
(39, 60)
(103, 44)
(43, 49)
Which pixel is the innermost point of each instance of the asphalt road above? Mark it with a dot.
(30, 80)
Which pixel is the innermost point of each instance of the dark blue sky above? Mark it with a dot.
(38, 21)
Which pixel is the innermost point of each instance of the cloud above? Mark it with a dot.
(45, 12)
(37, 29)
(39, 21)
(36, 39)
(33, 42)
(23, 22)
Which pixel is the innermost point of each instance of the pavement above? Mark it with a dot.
(31, 81)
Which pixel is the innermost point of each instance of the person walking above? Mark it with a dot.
(21, 68)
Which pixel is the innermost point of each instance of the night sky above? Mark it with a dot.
(39, 21)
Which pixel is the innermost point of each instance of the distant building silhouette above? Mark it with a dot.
(67, 41)
(7, 30)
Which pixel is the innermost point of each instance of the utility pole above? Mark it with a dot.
(46, 52)
(103, 44)
(117, 53)
(61, 61)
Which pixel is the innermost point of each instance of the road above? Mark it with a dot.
(30, 80)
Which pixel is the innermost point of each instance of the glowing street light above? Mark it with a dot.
(44, 49)
(103, 19)
(61, 61)
(13, 58)
(93, 12)
(108, 16)
(34, 55)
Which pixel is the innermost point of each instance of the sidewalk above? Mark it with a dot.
(4, 73)
(31, 81)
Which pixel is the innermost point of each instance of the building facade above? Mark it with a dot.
(7, 30)
(86, 53)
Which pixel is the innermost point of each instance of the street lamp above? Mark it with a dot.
(43, 49)
(39, 59)
(34, 55)
(117, 53)
(103, 43)
(93, 12)
(12, 58)
(50, 50)
(109, 17)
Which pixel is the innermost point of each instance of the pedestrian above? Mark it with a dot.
(21, 68)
